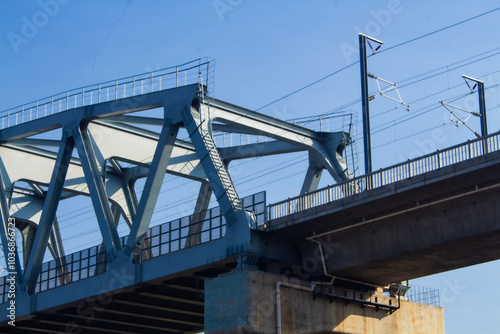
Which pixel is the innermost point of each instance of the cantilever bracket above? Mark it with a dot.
(382, 92)
(458, 120)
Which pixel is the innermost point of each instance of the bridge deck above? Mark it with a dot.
(434, 222)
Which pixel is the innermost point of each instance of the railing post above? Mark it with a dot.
(99, 94)
(116, 89)
(439, 158)
(22, 114)
(36, 113)
(133, 87)
(176, 76)
(151, 83)
(208, 64)
(409, 168)
(8, 117)
(83, 97)
(67, 102)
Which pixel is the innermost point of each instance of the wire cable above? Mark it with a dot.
(379, 52)
(439, 30)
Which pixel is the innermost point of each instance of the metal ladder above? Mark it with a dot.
(221, 170)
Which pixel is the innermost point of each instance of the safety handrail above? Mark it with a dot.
(196, 71)
(402, 171)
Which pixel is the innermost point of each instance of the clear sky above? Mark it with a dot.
(265, 50)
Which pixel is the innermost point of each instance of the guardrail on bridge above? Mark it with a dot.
(427, 163)
(199, 71)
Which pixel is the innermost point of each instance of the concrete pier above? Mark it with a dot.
(246, 302)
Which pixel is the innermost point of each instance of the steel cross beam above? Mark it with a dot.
(327, 146)
(36, 170)
(136, 147)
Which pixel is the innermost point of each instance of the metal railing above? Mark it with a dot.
(364, 298)
(423, 295)
(199, 71)
(196, 229)
(441, 158)
(162, 239)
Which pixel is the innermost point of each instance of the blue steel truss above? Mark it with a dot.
(105, 147)
(162, 239)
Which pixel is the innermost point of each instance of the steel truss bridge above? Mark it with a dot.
(153, 279)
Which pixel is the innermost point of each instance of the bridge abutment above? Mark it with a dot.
(247, 302)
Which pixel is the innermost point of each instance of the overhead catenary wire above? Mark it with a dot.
(378, 52)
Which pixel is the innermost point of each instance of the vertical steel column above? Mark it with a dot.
(199, 215)
(311, 181)
(56, 248)
(482, 103)
(482, 111)
(365, 104)
(152, 187)
(48, 214)
(56, 241)
(482, 108)
(131, 201)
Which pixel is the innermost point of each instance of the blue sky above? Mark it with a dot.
(265, 50)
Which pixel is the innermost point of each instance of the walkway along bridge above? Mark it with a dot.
(424, 216)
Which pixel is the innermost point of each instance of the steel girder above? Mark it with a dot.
(325, 148)
(90, 174)
(105, 137)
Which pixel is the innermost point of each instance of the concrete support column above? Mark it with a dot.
(246, 302)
